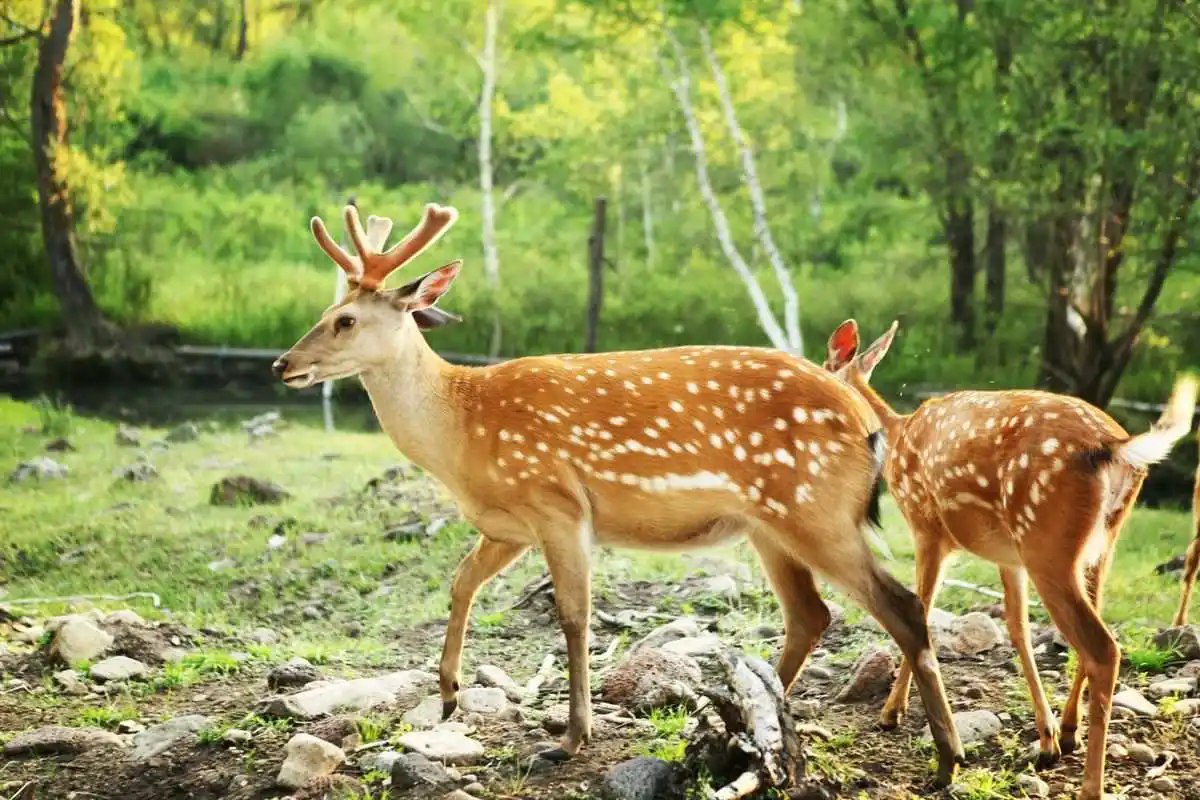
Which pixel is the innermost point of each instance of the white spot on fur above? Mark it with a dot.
(1050, 446)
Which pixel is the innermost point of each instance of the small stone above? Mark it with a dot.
(1133, 700)
(1188, 707)
(130, 726)
(722, 586)
(703, 645)
(426, 714)
(1032, 785)
(652, 678)
(159, 738)
(53, 740)
(240, 490)
(31, 634)
(236, 736)
(60, 445)
(128, 436)
(264, 636)
(493, 676)
(295, 672)
(307, 757)
(556, 717)
(1163, 784)
(764, 631)
(1184, 641)
(79, 639)
(818, 672)
(137, 472)
(973, 692)
(124, 616)
(1116, 751)
(805, 709)
(311, 612)
(380, 761)
(451, 748)
(1171, 686)
(460, 794)
(402, 688)
(71, 683)
(973, 726)
(185, 432)
(676, 629)
(641, 778)
(117, 668)
(475, 787)
(1142, 753)
(482, 701)
(40, 468)
(974, 633)
(872, 676)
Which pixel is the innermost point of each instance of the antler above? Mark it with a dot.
(371, 267)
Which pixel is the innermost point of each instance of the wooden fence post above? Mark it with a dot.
(595, 274)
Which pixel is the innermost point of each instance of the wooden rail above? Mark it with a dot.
(270, 354)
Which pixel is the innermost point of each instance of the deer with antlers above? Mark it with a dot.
(1191, 564)
(1037, 483)
(666, 449)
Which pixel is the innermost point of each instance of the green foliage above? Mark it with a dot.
(55, 414)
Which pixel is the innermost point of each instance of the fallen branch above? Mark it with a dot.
(607, 654)
(983, 590)
(37, 601)
(543, 674)
(20, 791)
(531, 591)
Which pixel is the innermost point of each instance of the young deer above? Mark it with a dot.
(668, 449)
(1192, 563)
(1038, 484)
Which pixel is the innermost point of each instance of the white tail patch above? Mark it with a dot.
(1175, 423)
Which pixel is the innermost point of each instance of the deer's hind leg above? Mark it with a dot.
(805, 615)
(1016, 615)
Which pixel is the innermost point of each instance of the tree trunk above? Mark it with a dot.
(647, 212)
(997, 235)
(218, 32)
(85, 324)
(960, 234)
(595, 275)
(491, 256)
(243, 32)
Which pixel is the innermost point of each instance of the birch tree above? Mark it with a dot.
(487, 95)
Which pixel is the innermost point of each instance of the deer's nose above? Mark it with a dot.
(279, 367)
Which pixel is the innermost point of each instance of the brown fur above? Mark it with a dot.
(1037, 483)
(665, 449)
(1192, 561)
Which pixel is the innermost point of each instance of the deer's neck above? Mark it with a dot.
(413, 394)
(888, 417)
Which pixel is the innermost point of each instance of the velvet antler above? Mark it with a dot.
(371, 267)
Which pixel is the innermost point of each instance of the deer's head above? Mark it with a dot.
(370, 323)
(844, 359)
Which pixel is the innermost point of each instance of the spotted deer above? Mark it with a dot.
(1037, 483)
(664, 449)
(1192, 562)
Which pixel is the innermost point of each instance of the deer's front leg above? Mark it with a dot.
(567, 555)
(480, 565)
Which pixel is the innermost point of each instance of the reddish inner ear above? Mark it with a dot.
(844, 342)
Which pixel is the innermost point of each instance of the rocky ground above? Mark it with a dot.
(266, 667)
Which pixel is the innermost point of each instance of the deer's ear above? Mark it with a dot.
(843, 344)
(426, 290)
(433, 317)
(878, 349)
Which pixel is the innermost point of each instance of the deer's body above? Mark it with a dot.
(1037, 483)
(1191, 563)
(664, 449)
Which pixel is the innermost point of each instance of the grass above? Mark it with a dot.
(104, 717)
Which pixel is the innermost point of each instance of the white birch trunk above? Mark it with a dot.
(681, 87)
(487, 94)
(758, 204)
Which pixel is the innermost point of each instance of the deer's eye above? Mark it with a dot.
(343, 323)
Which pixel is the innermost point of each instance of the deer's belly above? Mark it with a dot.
(980, 531)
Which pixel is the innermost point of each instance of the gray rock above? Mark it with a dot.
(117, 668)
(128, 436)
(703, 645)
(871, 677)
(482, 701)
(1164, 784)
(974, 633)
(236, 736)
(1142, 753)
(973, 726)
(722, 586)
(1115, 751)
(130, 726)
(941, 620)
(493, 676)
(411, 770)
(556, 717)
(1133, 700)
(1032, 785)
(1171, 686)
(124, 616)
(60, 445)
(425, 714)
(652, 678)
(641, 778)
(71, 683)
(676, 629)
(475, 788)
(445, 746)
(55, 740)
(239, 490)
(1188, 707)
(460, 794)
(817, 672)
(1183, 640)
(185, 432)
(159, 738)
(379, 761)
(307, 757)
(295, 672)
(79, 639)
(264, 636)
(402, 688)
(137, 472)
(40, 468)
